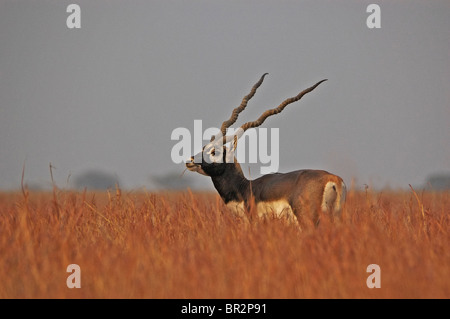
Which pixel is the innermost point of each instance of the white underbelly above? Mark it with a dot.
(237, 208)
(277, 209)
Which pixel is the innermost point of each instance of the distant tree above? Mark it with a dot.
(94, 179)
(177, 181)
(439, 181)
(171, 181)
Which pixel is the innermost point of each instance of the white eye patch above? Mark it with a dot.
(212, 153)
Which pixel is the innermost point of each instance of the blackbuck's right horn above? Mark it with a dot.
(226, 124)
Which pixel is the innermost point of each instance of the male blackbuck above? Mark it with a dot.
(303, 193)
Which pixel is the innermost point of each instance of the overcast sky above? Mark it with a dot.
(107, 96)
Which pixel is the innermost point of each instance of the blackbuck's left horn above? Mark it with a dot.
(235, 114)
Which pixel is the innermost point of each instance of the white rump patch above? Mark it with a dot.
(330, 198)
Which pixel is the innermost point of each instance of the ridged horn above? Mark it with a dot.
(235, 114)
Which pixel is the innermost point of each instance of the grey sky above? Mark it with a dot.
(107, 96)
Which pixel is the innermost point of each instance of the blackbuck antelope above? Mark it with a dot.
(303, 193)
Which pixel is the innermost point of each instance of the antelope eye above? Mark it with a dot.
(213, 152)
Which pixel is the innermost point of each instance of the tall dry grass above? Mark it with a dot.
(184, 245)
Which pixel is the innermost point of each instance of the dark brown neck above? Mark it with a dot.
(232, 184)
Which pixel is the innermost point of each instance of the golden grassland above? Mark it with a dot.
(188, 245)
